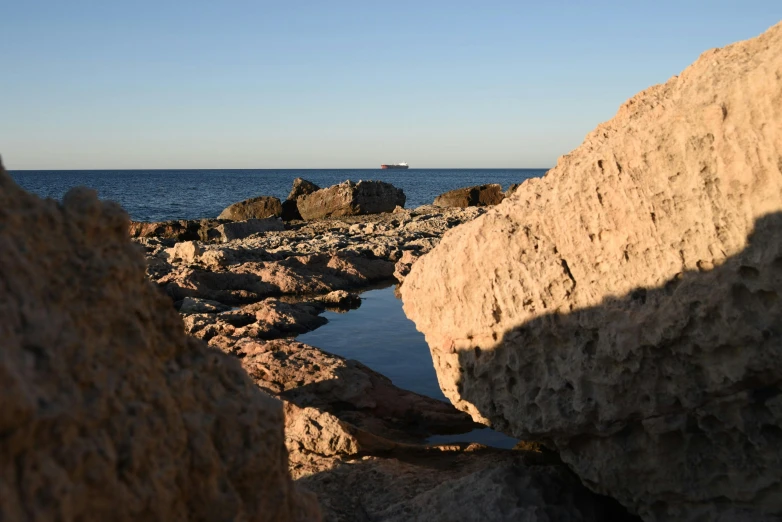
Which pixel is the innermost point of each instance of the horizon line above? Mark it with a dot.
(287, 168)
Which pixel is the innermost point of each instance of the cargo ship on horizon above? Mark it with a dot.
(394, 166)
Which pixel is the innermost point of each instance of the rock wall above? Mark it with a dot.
(626, 306)
(107, 410)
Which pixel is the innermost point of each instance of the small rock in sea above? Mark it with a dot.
(340, 299)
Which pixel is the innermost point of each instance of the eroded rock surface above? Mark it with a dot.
(351, 199)
(627, 305)
(108, 411)
(457, 484)
(478, 196)
(317, 257)
(254, 208)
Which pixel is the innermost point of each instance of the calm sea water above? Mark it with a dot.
(157, 195)
(380, 335)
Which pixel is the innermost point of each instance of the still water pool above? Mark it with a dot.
(379, 335)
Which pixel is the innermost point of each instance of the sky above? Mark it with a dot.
(336, 84)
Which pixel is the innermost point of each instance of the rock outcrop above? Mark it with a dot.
(254, 208)
(308, 257)
(108, 411)
(626, 307)
(459, 484)
(478, 196)
(351, 199)
(290, 207)
(301, 187)
(242, 229)
(181, 230)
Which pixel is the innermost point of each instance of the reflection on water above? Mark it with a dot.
(379, 335)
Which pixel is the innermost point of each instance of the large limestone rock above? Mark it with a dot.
(253, 208)
(351, 199)
(107, 410)
(626, 306)
(478, 196)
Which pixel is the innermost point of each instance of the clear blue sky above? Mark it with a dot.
(331, 84)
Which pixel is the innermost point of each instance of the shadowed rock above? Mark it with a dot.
(254, 208)
(626, 306)
(108, 411)
(290, 207)
(478, 196)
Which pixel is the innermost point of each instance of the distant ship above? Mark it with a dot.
(394, 166)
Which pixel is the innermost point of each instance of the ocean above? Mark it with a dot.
(159, 195)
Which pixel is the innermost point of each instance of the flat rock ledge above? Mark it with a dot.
(304, 258)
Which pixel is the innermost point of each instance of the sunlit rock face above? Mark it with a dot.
(108, 411)
(626, 307)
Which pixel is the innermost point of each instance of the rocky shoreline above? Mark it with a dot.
(250, 296)
(621, 316)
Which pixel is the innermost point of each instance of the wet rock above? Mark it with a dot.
(478, 196)
(108, 411)
(351, 199)
(242, 229)
(254, 208)
(309, 377)
(192, 305)
(626, 306)
(341, 299)
(267, 319)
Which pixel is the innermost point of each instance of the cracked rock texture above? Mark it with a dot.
(626, 307)
(478, 196)
(350, 199)
(108, 411)
(254, 208)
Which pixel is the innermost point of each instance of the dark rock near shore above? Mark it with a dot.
(301, 187)
(290, 207)
(458, 484)
(351, 199)
(254, 208)
(242, 229)
(478, 196)
(108, 411)
(181, 230)
(513, 188)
